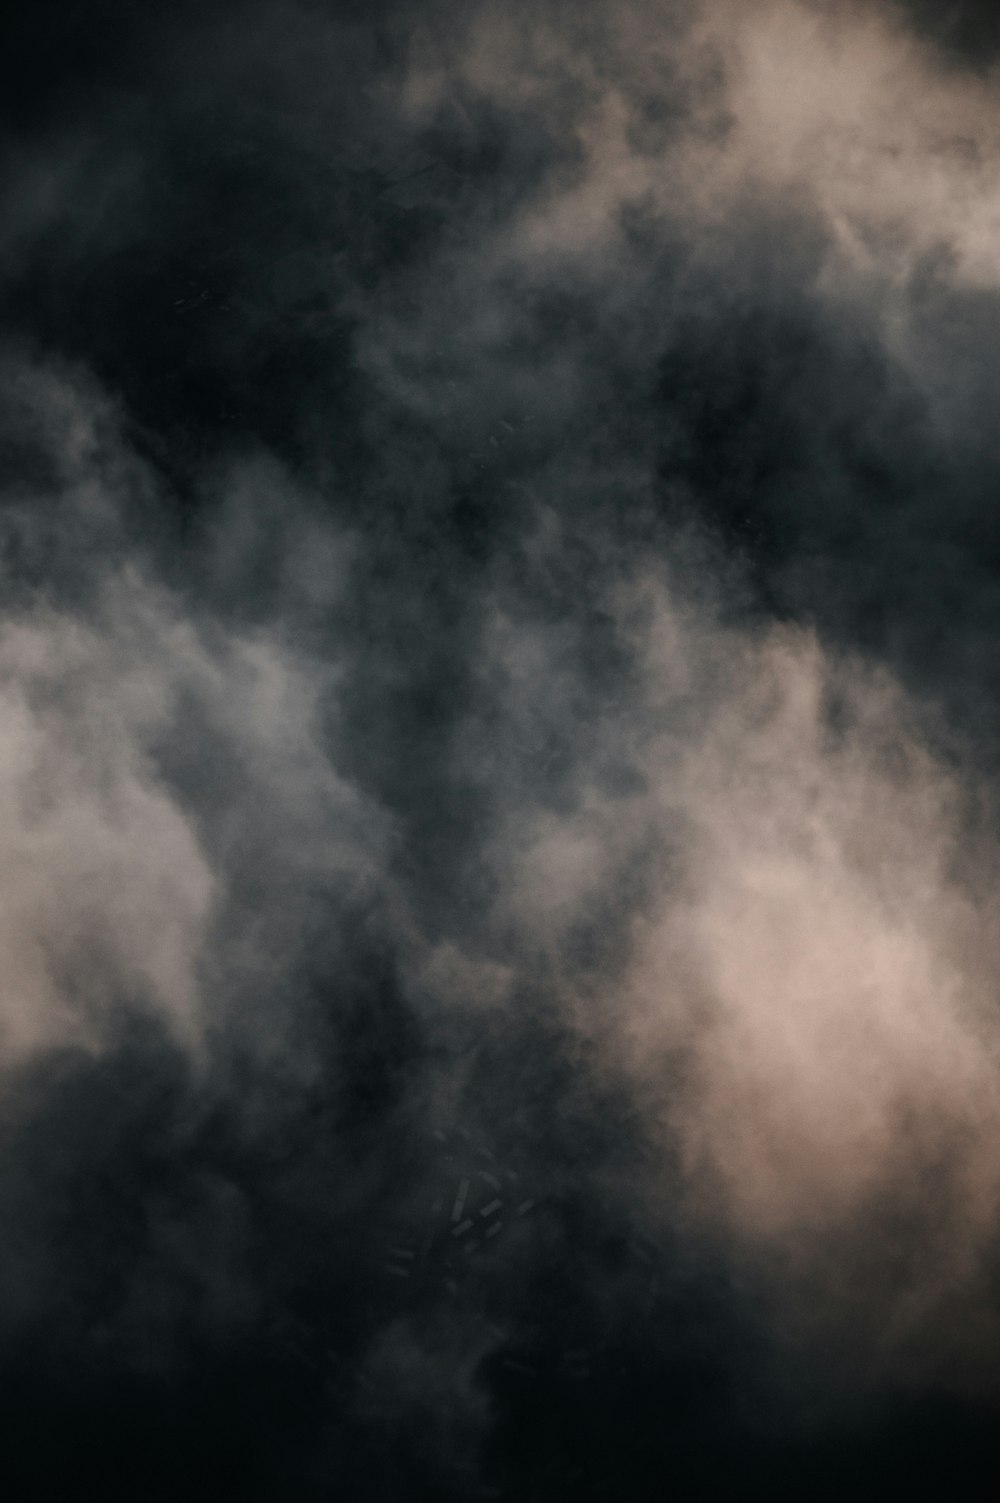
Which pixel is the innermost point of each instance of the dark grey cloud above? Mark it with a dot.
(498, 729)
(965, 30)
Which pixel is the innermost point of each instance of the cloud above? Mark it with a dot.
(705, 115)
(498, 632)
(765, 901)
(139, 735)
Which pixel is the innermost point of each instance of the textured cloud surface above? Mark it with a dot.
(499, 749)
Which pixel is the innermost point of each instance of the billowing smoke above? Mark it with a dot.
(498, 748)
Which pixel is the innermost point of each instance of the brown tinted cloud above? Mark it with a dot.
(805, 974)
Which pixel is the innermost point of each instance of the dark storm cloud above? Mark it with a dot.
(498, 642)
(966, 30)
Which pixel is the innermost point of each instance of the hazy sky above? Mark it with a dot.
(499, 749)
